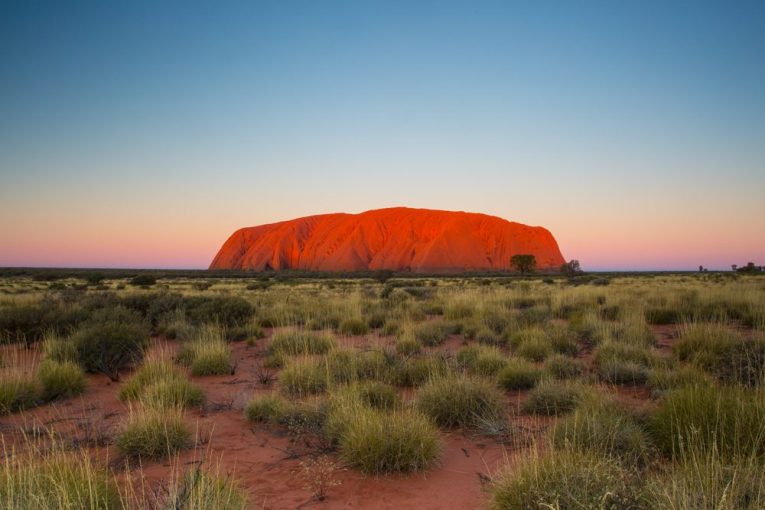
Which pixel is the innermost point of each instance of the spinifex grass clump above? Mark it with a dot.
(567, 479)
(154, 432)
(532, 344)
(208, 353)
(482, 360)
(430, 333)
(620, 363)
(17, 393)
(376, 441)
(111, 340)
(458, 401)
(301, 342)
(159, 383)
(407, 345)
(723, 353)
(60, 379)
(603, 428)
(563, 367)
(702, 479)
(353, 326)
(304, 377)
(204, 489)
(552, 397)
(55, 477)
(413, 372)
(727, 420)
(519, 374)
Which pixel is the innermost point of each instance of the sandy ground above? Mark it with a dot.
(267, 459)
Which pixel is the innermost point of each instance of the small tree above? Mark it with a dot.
(571, 267)
(523, 263)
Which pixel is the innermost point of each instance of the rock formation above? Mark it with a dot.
(398, 238)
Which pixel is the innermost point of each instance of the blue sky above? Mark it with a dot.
(141, 134)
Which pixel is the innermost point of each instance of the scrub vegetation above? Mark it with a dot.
(615, 391)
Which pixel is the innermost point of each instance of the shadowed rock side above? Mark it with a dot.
(399, 238)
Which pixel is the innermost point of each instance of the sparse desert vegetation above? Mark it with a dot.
(621, 391)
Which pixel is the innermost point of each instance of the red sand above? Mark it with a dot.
(400, 238)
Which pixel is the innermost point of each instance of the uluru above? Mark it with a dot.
(397, 238)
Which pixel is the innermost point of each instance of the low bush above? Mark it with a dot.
(519, 374)
(226, 311)
(111, 340)
(460, 401)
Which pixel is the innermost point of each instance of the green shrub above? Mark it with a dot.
(143, 280)
(111, 340)
(567, 479)
(519, 374)
(727, 420)
(226, 311)
(353, 327)
(154, 433)
(60, 379)
(460, 401)
(301, 342)
(158, 383)
(552, 398)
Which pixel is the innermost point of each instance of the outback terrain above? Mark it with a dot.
(624, 392)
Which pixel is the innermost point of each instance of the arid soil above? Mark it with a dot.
(267, 459)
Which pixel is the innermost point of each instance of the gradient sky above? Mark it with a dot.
(141, 134)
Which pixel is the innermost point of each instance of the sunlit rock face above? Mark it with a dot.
(398, 238)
